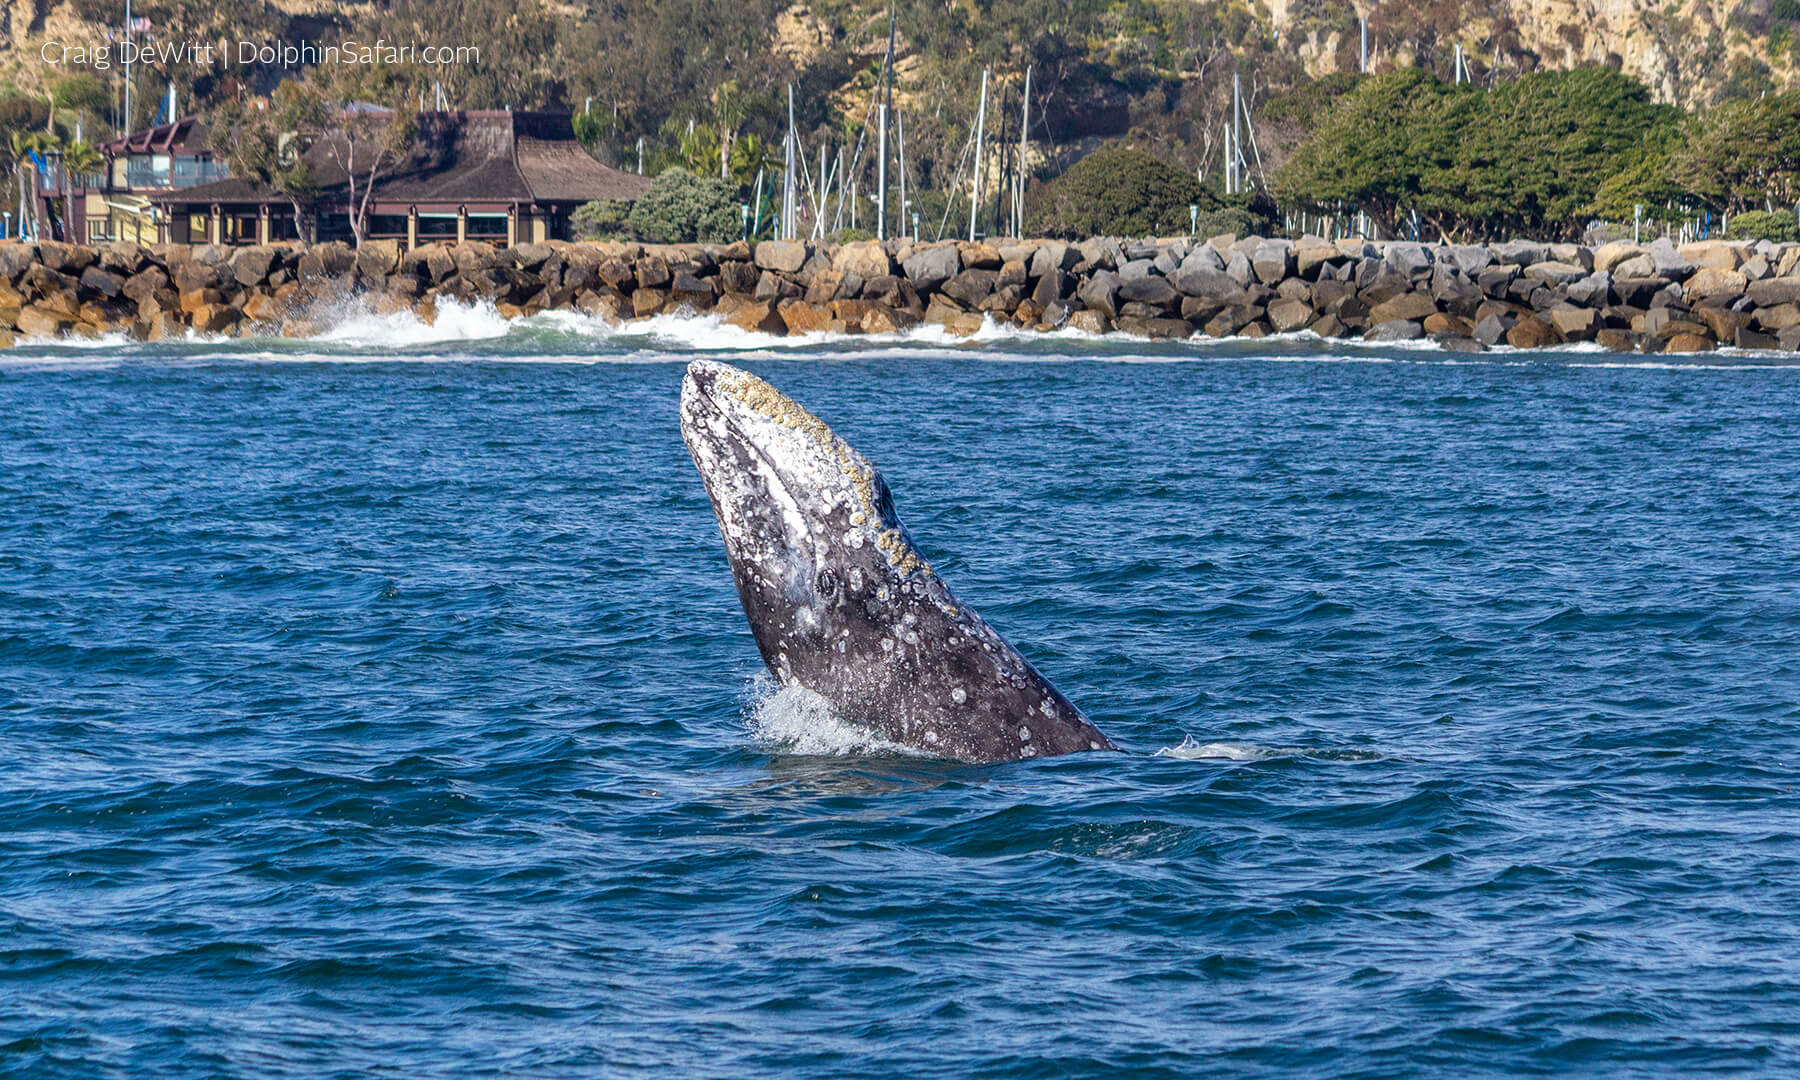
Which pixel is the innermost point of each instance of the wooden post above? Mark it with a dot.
(412, 227)
(262, 223)
(462, 224)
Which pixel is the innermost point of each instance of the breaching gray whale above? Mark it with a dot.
(838, 599)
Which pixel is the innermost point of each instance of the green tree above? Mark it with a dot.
(78, 91)
(1528, 158)
(1746, 154)
(1116, 191)
(681, 207)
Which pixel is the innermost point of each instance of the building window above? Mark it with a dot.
(487, 226)
(437, 227)
(96, 229)
(387, 225)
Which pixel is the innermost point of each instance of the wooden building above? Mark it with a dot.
(500, 176)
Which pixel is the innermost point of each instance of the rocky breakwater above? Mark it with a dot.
(1650, 298)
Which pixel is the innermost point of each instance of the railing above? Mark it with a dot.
(182, 172)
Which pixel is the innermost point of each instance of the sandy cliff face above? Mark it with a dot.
(1683, 50)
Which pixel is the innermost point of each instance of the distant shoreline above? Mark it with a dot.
(1626, 297)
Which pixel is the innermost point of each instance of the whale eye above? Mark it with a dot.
(828, 583)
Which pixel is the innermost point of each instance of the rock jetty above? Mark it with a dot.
(1653, 297)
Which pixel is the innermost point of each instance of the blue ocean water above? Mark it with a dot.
(382, 706)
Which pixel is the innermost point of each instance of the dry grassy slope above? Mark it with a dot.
(1681, 49)
(25, 25)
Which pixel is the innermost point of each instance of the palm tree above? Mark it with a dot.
(731, 109)
(19, 148)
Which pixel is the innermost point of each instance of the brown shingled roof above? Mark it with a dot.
(186, 136)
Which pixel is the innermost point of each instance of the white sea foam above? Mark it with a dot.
(1192, 749)
(794, 720)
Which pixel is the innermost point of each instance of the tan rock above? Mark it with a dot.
(758, 317)
(1688, 343)
(866, 259)
(1609, 256)
(886, 320)
(783, 256)
(647, 302)
(1716, 254)
(1715, 281)
(1092, 322)
(261, 307)
(1778, 318)
(1410, 306)
(164, 327)
(214, 318)
(1532, 333)
(34, 321)
(980, 256)
(1289, 315)
(1437, 323)
(1575, 324)
(195, 299)
(967, 324)
(804, 318)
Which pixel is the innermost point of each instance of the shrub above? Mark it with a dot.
(1780, 226)
(1116, 191)
(602, 219)
(681, 208)
(1229, 219)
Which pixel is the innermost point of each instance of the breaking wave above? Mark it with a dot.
(795, 720)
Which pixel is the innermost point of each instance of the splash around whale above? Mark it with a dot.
(838, 598)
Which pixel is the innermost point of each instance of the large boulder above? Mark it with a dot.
(1413, 260)
(867, 259)
(1271, 262)
(1395, 330)
(1471, 259)
(1717, 254)
(1519, 253)
(69, 259)
(970, 287)
(1404, 307)
(1774, 292)
(1669, 262)
(1714, 281)
(1532, 333)
(1100, 293)
(1608, 256)
(927, 268)
(1575, 324)
(1287, 316)
(375, 258)
(104, 282)
(250, 266)
(1197, 277)
(1149, 289)
(786, 256)
(1053, 256)
(1555, 273)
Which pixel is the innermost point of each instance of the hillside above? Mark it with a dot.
(687, 79)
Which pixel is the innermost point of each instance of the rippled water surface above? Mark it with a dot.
(383, 707)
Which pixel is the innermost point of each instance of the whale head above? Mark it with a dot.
(837, 596)
(808, 522)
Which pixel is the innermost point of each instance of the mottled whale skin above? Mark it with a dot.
(839, 600)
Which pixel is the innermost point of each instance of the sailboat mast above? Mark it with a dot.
(980, 135)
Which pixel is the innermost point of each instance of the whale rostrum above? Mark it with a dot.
(838, 598)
